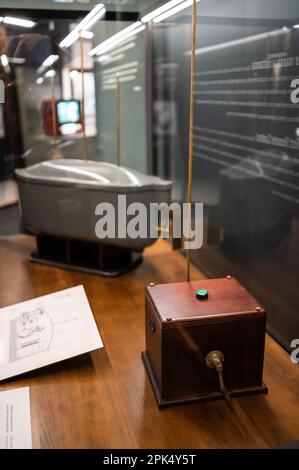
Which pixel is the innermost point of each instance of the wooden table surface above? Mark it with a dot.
(104, 400)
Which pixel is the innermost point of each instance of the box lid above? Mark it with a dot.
(226, 298)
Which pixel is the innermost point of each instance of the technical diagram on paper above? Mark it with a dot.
(46, 330)
(30, 333)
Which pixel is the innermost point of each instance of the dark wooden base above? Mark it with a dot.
(192, 399)
(83, 256)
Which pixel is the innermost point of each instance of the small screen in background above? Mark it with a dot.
(68, 111)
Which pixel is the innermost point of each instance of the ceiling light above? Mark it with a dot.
(118, 38)
(97, 12)
(48, 62)
(166, 10)
(69, 39)
(17, 60)
(87, 34)
(104, 57)
(93, 20)
(124, 48)
(50, 74)
(237, 42)
(109, 41)
(90, 19)
(110, 58)
(173, 11)
(158, 11)
(74, 73)
(5, 63)
(296, 26)
(4, 60)
(120, 67)
(18, 22)
(120, 75)
(40, 80)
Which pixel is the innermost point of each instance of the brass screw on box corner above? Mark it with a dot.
(258, 309)
(168, 319)
(228, 277)
(151, 284)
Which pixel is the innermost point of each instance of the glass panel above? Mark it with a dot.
(126, 61)
(246, 142)
(42, 78)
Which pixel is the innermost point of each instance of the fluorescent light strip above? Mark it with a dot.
(18, 22)
(121, 33)
(166, 10)
(103, 57)
(4, 60)
(90, 19)
(17, 60)
(93, 20)
(120, 67)
(158, 11)
(236, 42)
(87, 34)
(173, 11)
(113, 44)
(110, 59)
(50, 74)
(128, 79)
(124, 41)
(48, 62)
(116, 38)
(111, 86)
(122, 74)
(123, 48)
(116, 52)
(70, 39)
(74, 73)
(296, 26)
(131, 71)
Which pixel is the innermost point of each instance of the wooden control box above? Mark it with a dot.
(185, 322)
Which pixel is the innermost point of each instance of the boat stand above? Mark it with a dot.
(85, 256)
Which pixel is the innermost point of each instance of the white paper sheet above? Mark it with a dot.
(46, 330)
(15, 422)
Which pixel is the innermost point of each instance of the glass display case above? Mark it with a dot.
(246, 142)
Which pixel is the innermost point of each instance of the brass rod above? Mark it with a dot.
(54, 129)
(85, 144)
(117, 120)
(191, 128)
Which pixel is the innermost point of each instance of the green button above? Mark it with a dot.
(202, 294)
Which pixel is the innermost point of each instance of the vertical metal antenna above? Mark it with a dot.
(117, 99)
(55, 155)
(85, 144)
(191, 126)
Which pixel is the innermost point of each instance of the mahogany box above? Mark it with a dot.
(187, 321)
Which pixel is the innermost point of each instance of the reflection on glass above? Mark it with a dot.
(246, 143)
